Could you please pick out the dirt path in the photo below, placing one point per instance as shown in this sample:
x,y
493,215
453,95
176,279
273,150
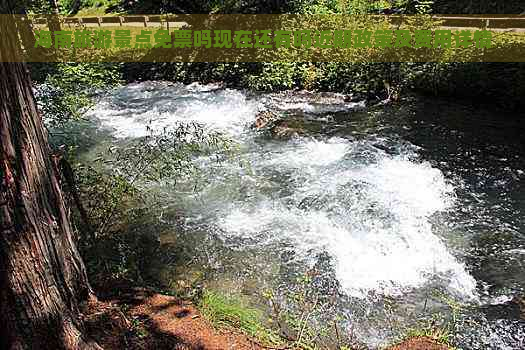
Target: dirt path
x,y
419,344
140,319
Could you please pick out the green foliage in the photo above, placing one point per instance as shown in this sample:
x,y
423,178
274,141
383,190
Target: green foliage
x,y
276,76
361,6
318,7
413,6
213,6
64,89
86,7
166,155
366,79
118,240
423,6
34,6
109,198
478,7
439,327
113,205
500,84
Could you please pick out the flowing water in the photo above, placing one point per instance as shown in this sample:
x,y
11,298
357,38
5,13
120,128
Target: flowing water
x,y
397,214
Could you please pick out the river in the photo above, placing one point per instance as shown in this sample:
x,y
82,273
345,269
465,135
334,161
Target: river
x,y
396,213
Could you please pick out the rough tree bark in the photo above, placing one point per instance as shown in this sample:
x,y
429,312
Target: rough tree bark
x,y
42,276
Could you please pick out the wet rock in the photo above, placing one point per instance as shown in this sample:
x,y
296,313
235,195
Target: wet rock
x,y
265,120
316,97
520,301
284,130
513,309
276,125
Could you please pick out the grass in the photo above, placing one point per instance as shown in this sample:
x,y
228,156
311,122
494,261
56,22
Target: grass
x,y
230,312
441,335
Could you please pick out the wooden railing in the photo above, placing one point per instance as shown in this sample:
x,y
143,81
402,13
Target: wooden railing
x,y
496,23
112,21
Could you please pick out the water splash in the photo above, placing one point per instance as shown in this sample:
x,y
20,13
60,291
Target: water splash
x,y
371,218
132,109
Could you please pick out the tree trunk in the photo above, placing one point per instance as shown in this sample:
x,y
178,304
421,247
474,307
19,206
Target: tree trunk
x,y
53,21
42,276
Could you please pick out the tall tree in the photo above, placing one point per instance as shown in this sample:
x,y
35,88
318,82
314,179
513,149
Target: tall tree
x,y
42,276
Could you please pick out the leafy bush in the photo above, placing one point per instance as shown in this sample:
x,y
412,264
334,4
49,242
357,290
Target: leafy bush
x,y
276,76
63,90
116,239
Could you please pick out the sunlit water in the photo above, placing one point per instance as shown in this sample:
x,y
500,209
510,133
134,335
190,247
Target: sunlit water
x,y
396,216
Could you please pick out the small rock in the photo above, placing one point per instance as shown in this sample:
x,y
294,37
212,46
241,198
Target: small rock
x,y
284,131
265,120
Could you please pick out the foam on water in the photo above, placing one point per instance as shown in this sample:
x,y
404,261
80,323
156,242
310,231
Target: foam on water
x,y
373,219
369,210
131,109
311,152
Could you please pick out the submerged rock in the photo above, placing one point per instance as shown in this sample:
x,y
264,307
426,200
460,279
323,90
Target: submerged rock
x,y
513,309
276,125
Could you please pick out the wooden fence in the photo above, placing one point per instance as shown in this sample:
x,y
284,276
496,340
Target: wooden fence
x,y
495,23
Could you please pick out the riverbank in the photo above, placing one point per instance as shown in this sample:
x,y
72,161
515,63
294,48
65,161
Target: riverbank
x,y
140,318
